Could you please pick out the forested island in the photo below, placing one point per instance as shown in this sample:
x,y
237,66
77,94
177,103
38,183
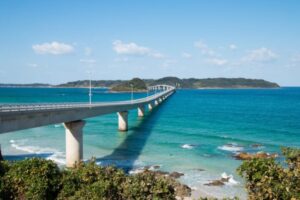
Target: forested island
x,y
141,84
138,84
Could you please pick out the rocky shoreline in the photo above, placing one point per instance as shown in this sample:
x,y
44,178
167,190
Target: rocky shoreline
x,y
182,191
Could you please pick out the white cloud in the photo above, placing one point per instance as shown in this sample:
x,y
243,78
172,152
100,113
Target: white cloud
x,y
260,55
88,61
156,55
88,51
129,48
33,65
54,48
186,55
232,47
133,49
205,50
217,61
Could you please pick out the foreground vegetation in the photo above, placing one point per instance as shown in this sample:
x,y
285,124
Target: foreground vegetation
x,y
268,179
42,179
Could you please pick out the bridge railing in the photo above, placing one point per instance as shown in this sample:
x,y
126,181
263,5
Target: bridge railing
x,y
14,107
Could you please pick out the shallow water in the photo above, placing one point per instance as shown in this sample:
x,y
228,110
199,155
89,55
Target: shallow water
x,y
195,131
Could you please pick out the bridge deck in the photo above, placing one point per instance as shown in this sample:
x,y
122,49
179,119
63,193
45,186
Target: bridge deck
x,y
22,116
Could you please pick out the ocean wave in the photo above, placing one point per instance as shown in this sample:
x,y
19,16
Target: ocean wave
x,y
197,180
230,178
126,165
188,146
54,154
57,125
137,170
231,147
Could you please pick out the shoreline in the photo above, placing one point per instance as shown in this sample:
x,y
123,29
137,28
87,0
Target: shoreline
x,y
198,191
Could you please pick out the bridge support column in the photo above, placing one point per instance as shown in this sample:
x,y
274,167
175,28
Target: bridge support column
x,y
123,120
156,102
74,143
150,106
141,111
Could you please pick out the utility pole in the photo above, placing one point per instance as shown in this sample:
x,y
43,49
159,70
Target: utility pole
x,y
90,89
131,92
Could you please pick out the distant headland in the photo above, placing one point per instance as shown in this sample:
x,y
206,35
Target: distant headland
x,y
138,84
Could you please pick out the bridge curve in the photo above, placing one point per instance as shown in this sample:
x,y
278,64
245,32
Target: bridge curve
x,y
161,87
23,116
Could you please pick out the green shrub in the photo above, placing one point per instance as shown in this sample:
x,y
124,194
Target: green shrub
x,y
92,180
268,179
32,179
41,179
4,167
148,186
104,190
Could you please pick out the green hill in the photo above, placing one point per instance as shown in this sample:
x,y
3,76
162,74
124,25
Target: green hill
x,y
95,83
232,83
139,84
215,83
136,84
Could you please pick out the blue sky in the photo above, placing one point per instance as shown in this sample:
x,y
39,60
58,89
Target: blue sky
x,y
58,41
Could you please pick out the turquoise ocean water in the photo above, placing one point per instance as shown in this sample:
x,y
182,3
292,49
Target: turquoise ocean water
x,y
195,131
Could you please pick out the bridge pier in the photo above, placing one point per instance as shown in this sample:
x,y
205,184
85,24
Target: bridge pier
x,y
141,111
150,106
74,142
123,120
156,102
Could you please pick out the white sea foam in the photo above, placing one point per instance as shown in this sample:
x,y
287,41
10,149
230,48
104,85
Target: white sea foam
x,y
153,168
121,163
231,147
137,171
187,146
55,155
197,179
231,181
57,125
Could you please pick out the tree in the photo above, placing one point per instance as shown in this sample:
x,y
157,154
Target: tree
x,y
268,179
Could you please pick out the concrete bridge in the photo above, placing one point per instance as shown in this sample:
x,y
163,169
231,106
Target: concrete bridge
x,y
16,117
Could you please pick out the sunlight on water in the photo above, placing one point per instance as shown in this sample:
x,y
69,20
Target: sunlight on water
x,y
198,138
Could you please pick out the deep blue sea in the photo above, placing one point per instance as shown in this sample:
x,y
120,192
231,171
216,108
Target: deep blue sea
x,y
196,132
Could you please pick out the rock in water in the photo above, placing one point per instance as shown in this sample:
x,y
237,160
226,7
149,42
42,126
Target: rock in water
x,y
215,183
248,156
256,145
176,174
220,182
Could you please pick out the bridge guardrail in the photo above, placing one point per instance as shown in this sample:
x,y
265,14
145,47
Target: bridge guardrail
x,y
15,107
